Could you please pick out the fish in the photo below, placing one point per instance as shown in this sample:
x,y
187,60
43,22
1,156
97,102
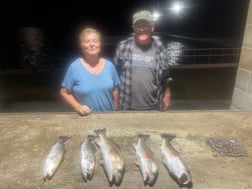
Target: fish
x,y
174,162
88,158
54,158
112,160
145,160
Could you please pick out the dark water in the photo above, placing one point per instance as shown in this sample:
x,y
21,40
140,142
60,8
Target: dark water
x,y
33,48
40,48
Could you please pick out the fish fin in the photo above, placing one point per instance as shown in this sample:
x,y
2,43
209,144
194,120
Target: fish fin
x,y
136,162
101,161
100,131
134,146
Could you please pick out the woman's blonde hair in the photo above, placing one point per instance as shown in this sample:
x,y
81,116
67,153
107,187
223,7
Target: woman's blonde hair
x,y
86,31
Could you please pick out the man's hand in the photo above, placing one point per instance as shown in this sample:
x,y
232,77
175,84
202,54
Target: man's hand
x,y
166,100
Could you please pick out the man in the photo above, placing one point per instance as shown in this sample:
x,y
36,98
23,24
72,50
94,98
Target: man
x,y
143,67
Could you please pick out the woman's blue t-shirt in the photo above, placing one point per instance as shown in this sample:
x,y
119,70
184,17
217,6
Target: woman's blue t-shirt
x,y
94,90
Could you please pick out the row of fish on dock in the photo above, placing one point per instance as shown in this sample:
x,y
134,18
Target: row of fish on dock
x,y
113,161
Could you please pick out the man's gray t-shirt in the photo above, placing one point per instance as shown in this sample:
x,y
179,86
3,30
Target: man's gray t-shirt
x,y
144,86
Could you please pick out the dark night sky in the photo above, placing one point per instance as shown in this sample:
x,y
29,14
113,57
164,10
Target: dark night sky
x,y
206,18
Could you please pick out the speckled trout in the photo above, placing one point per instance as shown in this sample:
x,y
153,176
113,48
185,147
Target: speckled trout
x,y
54,158
145,160
173,161
87,158
112,160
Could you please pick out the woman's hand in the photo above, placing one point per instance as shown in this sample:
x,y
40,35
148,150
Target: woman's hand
x,y
83,110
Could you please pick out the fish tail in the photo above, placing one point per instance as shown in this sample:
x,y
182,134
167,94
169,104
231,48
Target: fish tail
x,y
64,138
91,137
167,136
100,131
143,136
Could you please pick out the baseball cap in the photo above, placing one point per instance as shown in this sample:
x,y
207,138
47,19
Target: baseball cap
x,y
142,15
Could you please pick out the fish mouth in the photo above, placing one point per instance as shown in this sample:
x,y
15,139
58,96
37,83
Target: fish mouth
x,y
151,179
89,176
118,176
183,179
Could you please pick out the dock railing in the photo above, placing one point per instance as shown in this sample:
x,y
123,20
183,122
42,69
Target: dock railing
x,y
198,57
206,57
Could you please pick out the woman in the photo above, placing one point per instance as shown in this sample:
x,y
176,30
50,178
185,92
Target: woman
x,y
91,82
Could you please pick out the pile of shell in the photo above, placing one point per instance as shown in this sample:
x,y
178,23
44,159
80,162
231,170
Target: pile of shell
x,y
226,147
